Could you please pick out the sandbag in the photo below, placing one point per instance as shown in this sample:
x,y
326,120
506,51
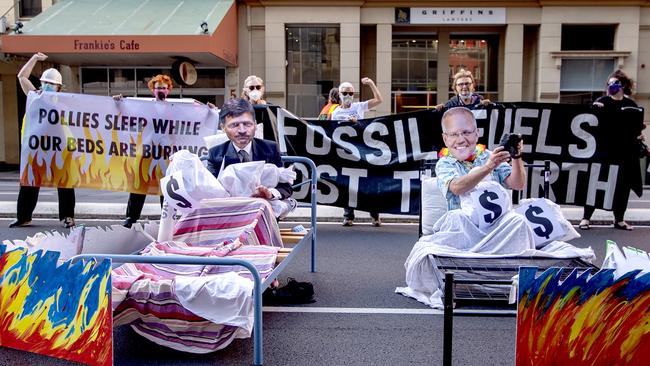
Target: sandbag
x,y
546,221
187,181
486,203
241,179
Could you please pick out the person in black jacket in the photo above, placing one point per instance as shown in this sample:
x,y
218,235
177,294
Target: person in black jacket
x,y
237,120
624,139
463,86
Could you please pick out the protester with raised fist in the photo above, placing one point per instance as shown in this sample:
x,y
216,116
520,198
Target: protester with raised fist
x,y
463,86
626,140
464,163
254,90
51,81
160,86
353,111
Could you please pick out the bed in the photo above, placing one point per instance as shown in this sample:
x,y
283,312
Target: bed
x,y
152,292
478,286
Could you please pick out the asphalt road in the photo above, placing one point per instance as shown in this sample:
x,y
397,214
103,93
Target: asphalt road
x,y
358,270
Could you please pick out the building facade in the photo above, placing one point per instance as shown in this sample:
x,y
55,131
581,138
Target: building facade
x,y
524,50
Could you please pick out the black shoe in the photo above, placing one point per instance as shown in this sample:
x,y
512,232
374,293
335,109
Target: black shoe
x,y
128,222
68,222
20,223
292,293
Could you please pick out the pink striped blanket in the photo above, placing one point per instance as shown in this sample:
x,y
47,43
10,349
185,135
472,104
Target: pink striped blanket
x,y
198,308
226,219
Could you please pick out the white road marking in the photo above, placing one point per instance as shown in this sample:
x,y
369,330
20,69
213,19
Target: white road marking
x,y
384,311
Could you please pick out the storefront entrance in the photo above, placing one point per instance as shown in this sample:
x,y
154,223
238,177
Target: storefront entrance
x,y
419,62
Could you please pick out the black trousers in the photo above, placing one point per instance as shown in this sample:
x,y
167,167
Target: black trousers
x,y
135,205
28,197
348,213
619,205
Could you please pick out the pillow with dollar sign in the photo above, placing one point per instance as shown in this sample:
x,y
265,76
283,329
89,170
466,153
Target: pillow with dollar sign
x,y
546,221
486,203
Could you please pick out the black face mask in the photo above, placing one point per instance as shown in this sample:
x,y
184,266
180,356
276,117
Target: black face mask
x,y
160,96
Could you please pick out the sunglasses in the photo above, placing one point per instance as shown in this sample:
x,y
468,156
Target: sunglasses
x,y
464,84
614,83
253,87
347,93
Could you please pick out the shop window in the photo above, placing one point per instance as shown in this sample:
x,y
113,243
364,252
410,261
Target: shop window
x,y
121,81
129,82
583,80
94,81
583,76
414,73
29,8
313,67
588,37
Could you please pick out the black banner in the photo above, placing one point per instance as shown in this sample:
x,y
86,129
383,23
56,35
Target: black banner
x,y
374,164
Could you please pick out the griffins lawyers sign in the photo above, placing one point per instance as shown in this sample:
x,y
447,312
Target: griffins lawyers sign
x,y
75,140
373,164
450,15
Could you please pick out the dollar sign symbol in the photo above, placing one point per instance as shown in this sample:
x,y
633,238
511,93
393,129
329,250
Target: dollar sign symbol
x,y
543,221
484,201
173,185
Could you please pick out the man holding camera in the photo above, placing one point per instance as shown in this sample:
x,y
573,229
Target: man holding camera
x,y
463,164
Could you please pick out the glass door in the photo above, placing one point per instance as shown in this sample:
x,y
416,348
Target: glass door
x,y
313,67
414,72
479,55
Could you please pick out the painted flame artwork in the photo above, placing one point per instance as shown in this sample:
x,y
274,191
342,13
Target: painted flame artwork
x,y
59,311
584,319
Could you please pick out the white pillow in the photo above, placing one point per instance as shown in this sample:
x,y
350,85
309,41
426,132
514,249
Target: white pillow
x,y
434,204
546,221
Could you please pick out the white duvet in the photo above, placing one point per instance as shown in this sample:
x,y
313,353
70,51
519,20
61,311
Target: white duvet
x,y
456,235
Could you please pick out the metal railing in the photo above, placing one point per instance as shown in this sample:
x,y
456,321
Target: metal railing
x,y
313,199
258,356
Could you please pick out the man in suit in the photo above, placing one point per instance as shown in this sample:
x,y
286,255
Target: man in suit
x,y
237,120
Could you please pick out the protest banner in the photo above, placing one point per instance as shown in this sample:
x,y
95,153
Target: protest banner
x,y
373,164
87,141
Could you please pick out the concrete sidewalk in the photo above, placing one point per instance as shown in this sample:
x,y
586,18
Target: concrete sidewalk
x,y
88,208
115,211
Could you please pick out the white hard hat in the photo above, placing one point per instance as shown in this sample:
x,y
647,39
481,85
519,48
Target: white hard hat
x,y
52,76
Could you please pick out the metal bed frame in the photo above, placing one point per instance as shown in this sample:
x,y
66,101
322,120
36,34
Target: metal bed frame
x,y
258,284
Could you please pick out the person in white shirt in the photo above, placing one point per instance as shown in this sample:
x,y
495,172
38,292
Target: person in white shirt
x,y
353,111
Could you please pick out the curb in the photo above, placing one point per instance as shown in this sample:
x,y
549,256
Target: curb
x,y
151,211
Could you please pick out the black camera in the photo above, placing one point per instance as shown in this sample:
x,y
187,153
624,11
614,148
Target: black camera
x,y
510,141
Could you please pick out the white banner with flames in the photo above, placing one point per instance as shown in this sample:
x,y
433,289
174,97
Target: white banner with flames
x,y
88,141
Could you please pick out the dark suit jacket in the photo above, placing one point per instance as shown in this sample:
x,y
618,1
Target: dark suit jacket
x,y
262,150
